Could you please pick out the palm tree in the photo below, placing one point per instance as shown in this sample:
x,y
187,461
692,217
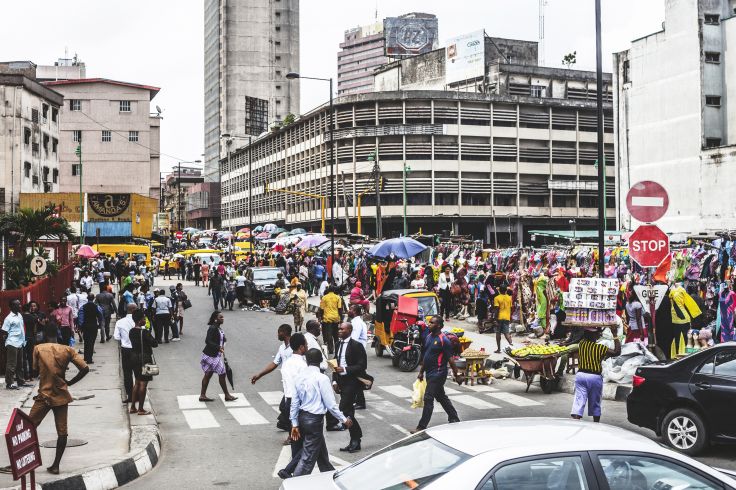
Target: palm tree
x,y
25,228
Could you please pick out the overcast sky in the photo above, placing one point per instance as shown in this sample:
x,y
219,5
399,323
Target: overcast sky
x,y
160,42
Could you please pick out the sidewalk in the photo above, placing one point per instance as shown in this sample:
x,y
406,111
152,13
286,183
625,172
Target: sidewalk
x,y
611,391
118,448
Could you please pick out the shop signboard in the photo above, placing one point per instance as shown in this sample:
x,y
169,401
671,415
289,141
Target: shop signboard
x,y
406,36
108,207
465,57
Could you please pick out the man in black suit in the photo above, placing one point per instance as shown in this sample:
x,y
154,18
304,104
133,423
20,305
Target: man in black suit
x,y
351,364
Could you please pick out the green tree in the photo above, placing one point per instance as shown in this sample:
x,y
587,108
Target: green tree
x,y
570,59
23,230
289,119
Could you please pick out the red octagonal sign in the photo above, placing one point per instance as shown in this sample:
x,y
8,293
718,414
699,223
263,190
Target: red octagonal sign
x,y
649,246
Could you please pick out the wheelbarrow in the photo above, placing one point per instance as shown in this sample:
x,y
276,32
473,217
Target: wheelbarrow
x,y
544,366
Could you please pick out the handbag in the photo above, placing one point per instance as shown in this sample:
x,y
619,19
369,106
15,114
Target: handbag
x,y
367,381
186,304
149,368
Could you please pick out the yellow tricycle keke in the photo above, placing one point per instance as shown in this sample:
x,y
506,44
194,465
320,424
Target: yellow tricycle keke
x,y
398,324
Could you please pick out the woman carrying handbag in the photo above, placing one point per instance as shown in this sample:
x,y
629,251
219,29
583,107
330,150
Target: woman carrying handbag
x,y
213,357
144,365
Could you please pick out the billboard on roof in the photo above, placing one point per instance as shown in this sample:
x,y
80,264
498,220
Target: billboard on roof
x,y
465,57
410,36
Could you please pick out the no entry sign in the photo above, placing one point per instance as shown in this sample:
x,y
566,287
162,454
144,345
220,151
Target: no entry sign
x,y
649,245
179,235
647,201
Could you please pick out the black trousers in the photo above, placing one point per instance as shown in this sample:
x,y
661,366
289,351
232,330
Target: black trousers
x,y
127,364
105,330
28,357
283,421
90,336
445,303
329,334
436,391
66,335
161,325
314,448
349,387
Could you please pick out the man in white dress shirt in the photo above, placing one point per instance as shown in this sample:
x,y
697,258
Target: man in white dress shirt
x,y
360,333
121,332
284,352
290,371
312,399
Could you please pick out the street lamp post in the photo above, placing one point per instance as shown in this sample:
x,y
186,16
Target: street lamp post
x,y
292,76
81,196
407,170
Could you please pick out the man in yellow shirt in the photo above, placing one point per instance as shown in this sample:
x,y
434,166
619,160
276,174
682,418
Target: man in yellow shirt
x,y
330,315
502,304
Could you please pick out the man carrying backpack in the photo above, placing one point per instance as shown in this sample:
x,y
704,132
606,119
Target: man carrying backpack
x,y
437,353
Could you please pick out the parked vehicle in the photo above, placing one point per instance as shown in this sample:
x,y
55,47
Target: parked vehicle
x,y
688,402
521,453
261,284
139,253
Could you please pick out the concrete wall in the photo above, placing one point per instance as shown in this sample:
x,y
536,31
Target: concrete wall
x,y
119,165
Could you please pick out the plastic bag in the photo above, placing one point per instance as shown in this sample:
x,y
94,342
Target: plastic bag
x,y
417,395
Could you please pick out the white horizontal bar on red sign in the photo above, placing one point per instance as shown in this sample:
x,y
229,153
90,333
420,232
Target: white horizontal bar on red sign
x,y
647,201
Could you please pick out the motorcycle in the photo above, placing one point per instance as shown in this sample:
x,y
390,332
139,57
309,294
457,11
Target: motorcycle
x,y
406,347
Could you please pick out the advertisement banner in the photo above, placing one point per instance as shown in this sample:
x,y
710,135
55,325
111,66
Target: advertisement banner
x,y
407,36
65,204
465,57
108,207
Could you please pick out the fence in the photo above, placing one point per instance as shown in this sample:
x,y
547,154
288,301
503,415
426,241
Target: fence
x,y
42,292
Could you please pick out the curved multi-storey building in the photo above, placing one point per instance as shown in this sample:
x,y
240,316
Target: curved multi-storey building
x,y
480,163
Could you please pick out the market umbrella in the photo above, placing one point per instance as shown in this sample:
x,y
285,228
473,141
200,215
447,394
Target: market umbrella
x,y
258,229
298,231
402,248
310,241
244,230
278,247
264,234
87,252
269,227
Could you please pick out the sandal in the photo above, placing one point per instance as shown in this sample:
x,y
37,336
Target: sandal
x,y
205,399
144,412
132,411
231,398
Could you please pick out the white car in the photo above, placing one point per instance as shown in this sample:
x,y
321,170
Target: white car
x,y
522,454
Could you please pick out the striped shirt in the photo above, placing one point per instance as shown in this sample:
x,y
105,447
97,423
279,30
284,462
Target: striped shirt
x,y
590,356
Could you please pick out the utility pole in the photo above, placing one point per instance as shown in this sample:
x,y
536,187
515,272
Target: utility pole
x,y
345,203
601,157
78,151
178,198
407,170
373,157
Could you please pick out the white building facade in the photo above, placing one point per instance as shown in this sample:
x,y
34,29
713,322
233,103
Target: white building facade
x,y
29,135
675,111
119,137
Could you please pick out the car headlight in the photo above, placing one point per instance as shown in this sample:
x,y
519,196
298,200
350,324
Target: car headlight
x,y
260,287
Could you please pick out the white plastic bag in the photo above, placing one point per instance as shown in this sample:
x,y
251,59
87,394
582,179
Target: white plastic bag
x,y
417,395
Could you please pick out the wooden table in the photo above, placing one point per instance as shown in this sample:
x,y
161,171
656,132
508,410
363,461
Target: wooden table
x,y
474,365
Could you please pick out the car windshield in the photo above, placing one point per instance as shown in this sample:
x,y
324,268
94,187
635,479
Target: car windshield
x,y
428,305
410,463
265,274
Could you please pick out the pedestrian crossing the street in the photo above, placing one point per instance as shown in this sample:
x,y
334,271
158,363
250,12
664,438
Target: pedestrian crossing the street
x,y
384,403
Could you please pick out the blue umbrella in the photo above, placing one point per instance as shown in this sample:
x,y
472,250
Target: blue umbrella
x,y
402,248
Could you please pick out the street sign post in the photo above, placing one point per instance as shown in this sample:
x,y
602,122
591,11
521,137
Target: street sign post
x,y
649,294
38,266
647,201
179,235
23,449
649,246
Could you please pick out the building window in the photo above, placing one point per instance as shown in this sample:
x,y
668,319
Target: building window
x,y
124,106
27,169
713,100
46,143
55,175
75,169
627,71
712,57
35,180
504,200
75,105
54,145
54,114
712,142
77,136
278,58
26,136
712,19
34,115
133,136
45,174
45,110
278,28
539,91
106,136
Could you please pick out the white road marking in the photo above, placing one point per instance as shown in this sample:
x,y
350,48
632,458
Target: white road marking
x,y
513,399
387,407
188,402
284,458
400,429
647,201
451,391
271,397
480,388
473,402
200,419
369,395
247,416
240,402
377,416
397,390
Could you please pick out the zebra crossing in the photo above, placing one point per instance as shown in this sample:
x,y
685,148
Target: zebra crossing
x,y
384,403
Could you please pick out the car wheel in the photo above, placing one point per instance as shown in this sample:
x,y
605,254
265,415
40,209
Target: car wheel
x,y
685,431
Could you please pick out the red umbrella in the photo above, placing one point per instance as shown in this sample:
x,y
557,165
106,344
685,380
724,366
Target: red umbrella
x,y
244,230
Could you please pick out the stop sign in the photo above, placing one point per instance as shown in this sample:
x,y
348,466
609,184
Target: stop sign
x,y
179,235
649,245
647,201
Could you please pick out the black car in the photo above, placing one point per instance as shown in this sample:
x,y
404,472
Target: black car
x,y
260,285
689,402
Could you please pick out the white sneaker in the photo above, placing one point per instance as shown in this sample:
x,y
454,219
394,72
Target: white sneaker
x,y
175,339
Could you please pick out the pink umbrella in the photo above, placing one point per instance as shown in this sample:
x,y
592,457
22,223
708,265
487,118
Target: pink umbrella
x,y
87,252
310,241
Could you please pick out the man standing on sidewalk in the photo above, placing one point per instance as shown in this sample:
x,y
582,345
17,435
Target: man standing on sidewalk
x,y
90,321
437,354
15,340
122,329
106,300
351,364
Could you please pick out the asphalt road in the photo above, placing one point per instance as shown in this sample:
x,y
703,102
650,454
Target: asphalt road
x,y
238,445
